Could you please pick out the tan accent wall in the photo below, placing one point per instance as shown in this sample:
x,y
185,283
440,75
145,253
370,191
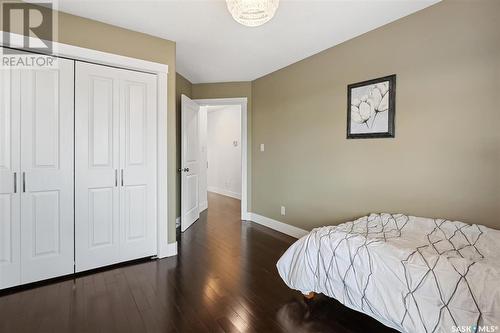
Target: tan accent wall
x,y
182,87
445,159
232,90
79,31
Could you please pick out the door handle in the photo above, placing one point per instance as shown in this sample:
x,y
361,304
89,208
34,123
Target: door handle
x,y
185,169
116,177
122,177
24,182
15,182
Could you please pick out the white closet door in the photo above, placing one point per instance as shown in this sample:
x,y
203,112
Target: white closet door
x,y
116,165
138,165
10,261
97,164
47,239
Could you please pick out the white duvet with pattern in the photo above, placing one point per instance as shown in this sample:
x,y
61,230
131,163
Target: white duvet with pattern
x,y
410,273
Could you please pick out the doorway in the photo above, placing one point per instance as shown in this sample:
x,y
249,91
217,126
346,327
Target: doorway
x,y
221,150
213,154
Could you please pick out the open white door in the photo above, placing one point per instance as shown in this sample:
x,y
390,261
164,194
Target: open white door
x,y
190,162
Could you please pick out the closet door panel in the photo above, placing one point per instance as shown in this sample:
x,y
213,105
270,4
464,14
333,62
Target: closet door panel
x,y
138,160
101,202
116,165
47,213
97,164
10,261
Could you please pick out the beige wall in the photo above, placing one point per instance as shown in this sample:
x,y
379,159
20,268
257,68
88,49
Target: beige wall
x,y
79,31
445,159
182,87
232,90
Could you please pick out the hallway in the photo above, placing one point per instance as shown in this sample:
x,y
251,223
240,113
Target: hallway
x,y
224,280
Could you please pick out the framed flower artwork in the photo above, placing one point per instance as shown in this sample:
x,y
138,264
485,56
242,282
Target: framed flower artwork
x,y
371,106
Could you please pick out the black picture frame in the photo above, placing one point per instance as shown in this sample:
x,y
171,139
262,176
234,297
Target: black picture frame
x,y
391,110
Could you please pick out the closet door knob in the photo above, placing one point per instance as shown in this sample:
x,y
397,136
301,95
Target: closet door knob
x,y
122,177
15,182
116,177
24,182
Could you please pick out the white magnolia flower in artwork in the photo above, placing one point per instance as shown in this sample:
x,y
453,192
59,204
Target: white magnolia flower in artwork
x,y
379,95
362,110
371,109
365,109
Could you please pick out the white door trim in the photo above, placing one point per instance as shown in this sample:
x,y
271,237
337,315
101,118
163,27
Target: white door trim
x,y
242,101
161,71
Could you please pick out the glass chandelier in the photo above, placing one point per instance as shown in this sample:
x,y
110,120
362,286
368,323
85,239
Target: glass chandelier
x,y
252,13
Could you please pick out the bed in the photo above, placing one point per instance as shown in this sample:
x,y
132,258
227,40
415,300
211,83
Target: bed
x,y
410,273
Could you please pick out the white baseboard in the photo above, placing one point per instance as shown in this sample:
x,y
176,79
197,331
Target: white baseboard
x,y
287,229
168,250
245,216
224,192
171,249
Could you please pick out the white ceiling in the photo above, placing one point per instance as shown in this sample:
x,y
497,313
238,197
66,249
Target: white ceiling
x,y
212,47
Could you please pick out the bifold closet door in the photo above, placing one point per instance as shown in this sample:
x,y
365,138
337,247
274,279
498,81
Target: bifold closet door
x,y
115,165
138,165
36,174
10,211
97,163
46,179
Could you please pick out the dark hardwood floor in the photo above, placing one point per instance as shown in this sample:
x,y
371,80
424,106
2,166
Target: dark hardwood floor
x,y
223,280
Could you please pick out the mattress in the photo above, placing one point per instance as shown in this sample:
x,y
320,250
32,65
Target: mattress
x,y
410,273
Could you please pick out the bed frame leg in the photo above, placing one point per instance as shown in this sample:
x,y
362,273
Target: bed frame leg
x,y
310,296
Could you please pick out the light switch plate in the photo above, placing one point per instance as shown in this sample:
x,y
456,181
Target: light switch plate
x,y
262,148
283,210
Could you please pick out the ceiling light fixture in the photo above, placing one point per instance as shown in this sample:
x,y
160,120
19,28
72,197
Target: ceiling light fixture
x,y
252,13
